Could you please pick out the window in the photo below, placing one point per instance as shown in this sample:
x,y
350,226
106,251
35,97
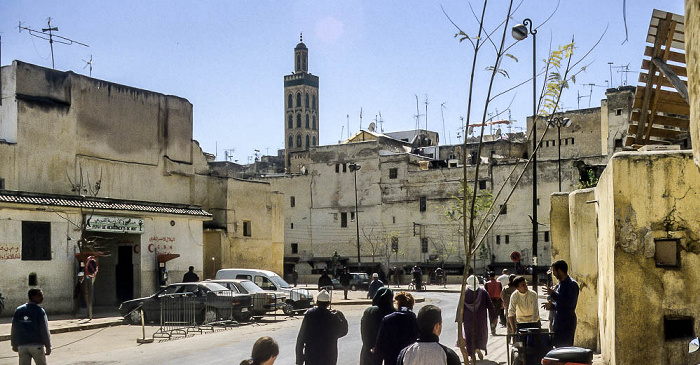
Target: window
x,y
352,216
343,219
290,142
393,173
546,236
308,141
546,143
313,122
345,167
291,226
504,209
554,142
423,204
482,184
36,241
666,253
298,120
307,121
507,239
2,184
566,141
299,140
292,201
393,220
290,122
618,143
572,140
424,245
678,327
298,100
289,101
498,239
295,248
395,244
313,141
618,111
306,102
298,62
313,102
246,229
337,168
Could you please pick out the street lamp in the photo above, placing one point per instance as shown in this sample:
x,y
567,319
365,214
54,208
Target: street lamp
x,y
521,32
559,122
354,167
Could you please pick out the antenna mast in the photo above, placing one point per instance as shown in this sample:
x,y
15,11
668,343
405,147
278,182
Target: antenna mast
x,y
381,122
426,112
442,115
418,114
51,37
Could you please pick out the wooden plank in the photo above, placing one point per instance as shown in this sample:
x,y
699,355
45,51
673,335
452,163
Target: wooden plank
x,y
667,97
655,25
678,70
664,120
677,36
664,81
675,44
672,77
660,14
658,132
672,56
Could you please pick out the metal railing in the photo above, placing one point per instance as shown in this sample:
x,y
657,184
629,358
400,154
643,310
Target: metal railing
x,y
177,315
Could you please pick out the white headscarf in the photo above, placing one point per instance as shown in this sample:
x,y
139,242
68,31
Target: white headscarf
x,y
472,283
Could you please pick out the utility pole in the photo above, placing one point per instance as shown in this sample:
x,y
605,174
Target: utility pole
x,y
49,37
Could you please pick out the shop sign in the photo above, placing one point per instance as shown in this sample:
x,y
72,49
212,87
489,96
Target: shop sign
x,y
97,223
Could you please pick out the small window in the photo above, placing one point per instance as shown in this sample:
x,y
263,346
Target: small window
x,y
352,216
618,111
247,229
507,239
343,219
678,327
295,248
298,120
424,245
546,143
345,167
291,225
546,236
504,209
308,141
313,141
538,201
298,100
572,140
554,142
32,279
498,239
393,173
313,102
289,101
482,184
290,122
307,121
666,253
618,143
290,142
423,204
313,122
393,220
36,241
337,167
306,101
292,201
566,141
299,141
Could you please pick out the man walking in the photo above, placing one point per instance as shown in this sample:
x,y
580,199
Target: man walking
x,y
564,298
30,330
190,276
397,330
317,342
428,350
345,282
374,286
494,288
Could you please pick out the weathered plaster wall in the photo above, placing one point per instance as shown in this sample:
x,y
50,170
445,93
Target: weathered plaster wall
x,y
560,225
654,195
605,209
692,59
583,266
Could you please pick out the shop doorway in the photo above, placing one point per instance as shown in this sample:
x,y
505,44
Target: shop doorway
x,y
124,273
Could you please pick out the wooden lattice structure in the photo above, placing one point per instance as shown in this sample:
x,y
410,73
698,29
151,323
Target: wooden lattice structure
x,y
660,113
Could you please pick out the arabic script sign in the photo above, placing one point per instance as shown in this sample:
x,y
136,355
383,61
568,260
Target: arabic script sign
x,y
97,223
9,252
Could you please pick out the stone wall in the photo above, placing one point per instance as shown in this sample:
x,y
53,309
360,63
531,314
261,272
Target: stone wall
x,y
692,59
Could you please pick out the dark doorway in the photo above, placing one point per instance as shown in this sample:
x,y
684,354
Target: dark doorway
x,y
125,274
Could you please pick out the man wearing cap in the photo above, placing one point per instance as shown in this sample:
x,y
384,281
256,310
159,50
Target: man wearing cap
x,y
79,294
374,286
317,342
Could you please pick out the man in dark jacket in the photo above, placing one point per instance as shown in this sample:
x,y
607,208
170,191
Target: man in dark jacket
x,y
345,278
317,342
382,305
30,330
190,276
427,350
324,281
374,285
563,301
398,330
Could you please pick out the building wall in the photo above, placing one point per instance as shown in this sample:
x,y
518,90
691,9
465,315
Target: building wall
x,y
692,59
585,129
561,227
644,197
583,265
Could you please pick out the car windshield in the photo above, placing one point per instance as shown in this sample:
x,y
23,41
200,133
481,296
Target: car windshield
x,y
279,282
214,286
250,287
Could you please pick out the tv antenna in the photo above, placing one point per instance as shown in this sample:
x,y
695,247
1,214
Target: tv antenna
x,y
342,128
623,71
47,35
426,112
442,115
88,63
228,154
418,114
381,122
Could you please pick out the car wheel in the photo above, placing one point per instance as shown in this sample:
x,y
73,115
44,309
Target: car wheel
x,y
353,287
210,315
134,317
288,309
242,316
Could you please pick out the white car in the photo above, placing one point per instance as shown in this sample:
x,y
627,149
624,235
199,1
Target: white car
x,y
263,300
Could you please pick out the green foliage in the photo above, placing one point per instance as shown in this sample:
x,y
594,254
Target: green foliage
x,y
501,71
557,65
453,209
592,180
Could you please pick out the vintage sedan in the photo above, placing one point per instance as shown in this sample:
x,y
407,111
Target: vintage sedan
x,y
202,302
263,300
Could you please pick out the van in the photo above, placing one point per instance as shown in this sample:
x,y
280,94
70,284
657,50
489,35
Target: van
x,y
298,300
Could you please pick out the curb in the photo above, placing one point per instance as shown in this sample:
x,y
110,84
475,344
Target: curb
x,y
367,301
79,327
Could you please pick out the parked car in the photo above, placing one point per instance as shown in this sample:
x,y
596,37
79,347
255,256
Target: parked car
x,y
263,300
211,301
359,280
298,300
336,284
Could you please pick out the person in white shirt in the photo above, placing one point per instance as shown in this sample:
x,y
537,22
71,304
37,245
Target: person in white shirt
x,y
523,311
504,279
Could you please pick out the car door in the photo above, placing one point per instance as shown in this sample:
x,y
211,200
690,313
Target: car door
x,y
153,307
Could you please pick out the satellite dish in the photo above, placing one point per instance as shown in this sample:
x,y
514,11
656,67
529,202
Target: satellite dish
x,y
371,127
498,133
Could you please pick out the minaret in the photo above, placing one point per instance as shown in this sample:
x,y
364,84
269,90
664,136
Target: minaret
x,y
301,122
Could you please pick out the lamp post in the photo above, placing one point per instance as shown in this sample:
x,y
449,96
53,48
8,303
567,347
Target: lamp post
x,y
559,122
354,167
521,32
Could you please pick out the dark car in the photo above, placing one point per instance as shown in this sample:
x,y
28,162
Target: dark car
x,y
204,302
360,280
263,300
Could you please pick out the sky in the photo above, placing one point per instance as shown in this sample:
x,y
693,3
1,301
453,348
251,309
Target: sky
x,y
228,58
